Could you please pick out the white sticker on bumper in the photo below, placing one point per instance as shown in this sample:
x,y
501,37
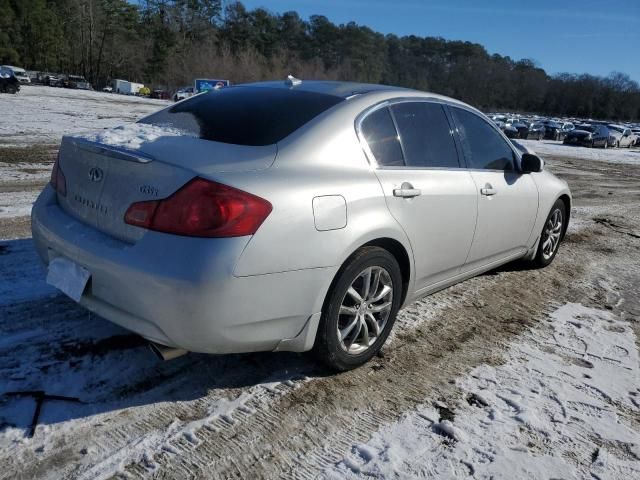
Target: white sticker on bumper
x,y
68,277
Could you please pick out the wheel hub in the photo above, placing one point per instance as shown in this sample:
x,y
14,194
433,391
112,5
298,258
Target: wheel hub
x,y
365,309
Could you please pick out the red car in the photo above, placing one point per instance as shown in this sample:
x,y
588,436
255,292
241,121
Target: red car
x,y
160,94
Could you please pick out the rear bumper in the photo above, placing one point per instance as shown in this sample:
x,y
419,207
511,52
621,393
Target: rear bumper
x,y
181,291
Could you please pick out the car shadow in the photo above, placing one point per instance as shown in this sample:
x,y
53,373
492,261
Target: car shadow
x,y
51,346
514,266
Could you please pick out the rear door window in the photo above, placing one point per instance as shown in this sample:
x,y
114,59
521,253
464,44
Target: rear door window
x,y
425,134
245,115
380,134
483,146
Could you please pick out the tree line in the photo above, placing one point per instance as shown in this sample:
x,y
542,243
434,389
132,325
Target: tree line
x,y
168,43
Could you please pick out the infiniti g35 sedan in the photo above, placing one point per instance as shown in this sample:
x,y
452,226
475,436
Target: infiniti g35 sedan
x,y
290,216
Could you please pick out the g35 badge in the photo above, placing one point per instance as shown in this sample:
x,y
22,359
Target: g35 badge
x,y
149,190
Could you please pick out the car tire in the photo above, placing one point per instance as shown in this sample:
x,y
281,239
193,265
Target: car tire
x,y
352,313
552,231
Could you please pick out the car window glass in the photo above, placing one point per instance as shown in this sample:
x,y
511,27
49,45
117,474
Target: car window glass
x,y
425,135
483,146
245,115
381,136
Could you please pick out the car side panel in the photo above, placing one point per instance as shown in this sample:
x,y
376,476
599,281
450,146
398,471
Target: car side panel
x,y
289,239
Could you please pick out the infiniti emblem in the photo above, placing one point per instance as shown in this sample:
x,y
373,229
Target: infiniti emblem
x,y
96,174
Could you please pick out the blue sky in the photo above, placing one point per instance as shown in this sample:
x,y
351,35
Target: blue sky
x,y
584,36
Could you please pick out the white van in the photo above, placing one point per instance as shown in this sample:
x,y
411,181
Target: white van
x,y
20,73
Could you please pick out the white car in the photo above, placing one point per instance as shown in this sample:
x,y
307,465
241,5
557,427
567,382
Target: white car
x,y
282,216
623,136
183,94
20,73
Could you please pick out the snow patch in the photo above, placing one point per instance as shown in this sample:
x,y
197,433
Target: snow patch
x,y
22,275
17,204
556,409
168,441
42,115
558,149
132,136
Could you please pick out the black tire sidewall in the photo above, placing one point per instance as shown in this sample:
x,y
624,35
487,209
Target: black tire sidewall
x,y
540,261
327,347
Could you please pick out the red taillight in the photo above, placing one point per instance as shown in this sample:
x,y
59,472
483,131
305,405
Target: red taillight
x,y
58,181
202,208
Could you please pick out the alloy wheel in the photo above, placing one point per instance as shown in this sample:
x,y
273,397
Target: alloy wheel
x,y
551,234
364,310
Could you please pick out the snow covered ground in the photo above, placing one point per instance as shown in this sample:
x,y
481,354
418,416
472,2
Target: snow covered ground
x,y
17,204
557,149
44,114
554,410
515,374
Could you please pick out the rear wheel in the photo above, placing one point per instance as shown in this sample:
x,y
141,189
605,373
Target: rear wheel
x,y
360,309
551,235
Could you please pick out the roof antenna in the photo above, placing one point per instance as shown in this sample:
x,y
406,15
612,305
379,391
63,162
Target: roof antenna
x,y
293,81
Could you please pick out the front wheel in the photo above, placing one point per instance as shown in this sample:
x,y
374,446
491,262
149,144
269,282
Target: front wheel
x,y
360,309
551,235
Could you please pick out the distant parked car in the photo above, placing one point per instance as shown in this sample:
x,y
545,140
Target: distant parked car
x,y
53,81
160,94
588,136
8,81
183,93
565,128
510,131
19,73
107,89
551,130
536,131
77,81
622,135
521,127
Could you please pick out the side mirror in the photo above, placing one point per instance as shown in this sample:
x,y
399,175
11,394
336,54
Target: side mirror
x,y
531,163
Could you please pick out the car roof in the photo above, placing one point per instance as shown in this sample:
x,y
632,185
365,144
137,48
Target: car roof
x,y
333,88
347,90
19,69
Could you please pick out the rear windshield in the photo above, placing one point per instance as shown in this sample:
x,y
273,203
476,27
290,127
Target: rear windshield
x,y
245,115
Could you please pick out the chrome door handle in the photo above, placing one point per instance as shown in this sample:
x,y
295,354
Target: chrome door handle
x,y
406,190
488,190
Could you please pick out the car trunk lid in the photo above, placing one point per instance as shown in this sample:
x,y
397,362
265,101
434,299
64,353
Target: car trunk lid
x,y
103,180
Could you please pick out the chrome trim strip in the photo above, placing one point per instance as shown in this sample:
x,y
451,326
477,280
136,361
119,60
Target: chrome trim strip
x,y
386,103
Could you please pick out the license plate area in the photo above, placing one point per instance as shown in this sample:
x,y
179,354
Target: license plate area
x,y
68,277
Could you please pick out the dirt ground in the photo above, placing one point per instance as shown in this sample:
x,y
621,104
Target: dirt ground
x,y
309,417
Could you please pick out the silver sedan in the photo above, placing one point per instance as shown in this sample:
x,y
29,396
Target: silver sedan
x,y
290,216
